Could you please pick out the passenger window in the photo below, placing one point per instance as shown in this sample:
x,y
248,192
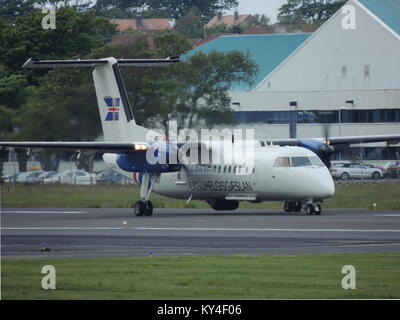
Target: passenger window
x,y
282,162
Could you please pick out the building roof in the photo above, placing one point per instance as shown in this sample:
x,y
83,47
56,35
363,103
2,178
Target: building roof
x,y
267,50
198,42
257,30
228,20
127,39
386,10
142,24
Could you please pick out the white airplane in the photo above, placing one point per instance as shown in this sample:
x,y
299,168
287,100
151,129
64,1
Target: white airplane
x,y
288,170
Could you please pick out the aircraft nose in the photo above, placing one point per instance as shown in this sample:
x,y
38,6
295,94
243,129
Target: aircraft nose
x,y
325,187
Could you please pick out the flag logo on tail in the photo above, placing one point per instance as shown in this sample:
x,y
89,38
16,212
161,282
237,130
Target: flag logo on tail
x,y
112,105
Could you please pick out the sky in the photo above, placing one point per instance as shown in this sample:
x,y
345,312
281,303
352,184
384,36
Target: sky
x,y
267,7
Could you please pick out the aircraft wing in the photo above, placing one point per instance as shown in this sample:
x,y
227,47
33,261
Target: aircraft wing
x,y
143,146
390,139
325,147
93,146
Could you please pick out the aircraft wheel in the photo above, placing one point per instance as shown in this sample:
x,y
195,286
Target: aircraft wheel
x,y
149,208
345,176
139,208
310,209
288,206
297,206
376,175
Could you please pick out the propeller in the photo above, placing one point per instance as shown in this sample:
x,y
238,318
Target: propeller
x,y
326,150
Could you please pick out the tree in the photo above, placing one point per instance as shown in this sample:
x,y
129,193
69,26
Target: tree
x,y
79,5
76,33
208,8
174,9
64,107
308,11
190,24
288,13
12,89
11,9
130,6
24,108
261,20
206,80
224,28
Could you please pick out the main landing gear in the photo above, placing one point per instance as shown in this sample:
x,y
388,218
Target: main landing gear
x,y
292,206
310,207
144,207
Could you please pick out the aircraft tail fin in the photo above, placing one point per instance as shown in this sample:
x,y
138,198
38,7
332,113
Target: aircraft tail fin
x,y
115,110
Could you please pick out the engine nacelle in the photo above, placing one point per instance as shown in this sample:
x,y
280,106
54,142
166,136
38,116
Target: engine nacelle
x,y
137,162
322,149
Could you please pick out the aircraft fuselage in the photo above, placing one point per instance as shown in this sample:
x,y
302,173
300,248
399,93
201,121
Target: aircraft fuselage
x,y
266,181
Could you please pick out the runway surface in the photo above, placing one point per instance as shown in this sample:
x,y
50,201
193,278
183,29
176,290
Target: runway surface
x,y
103,233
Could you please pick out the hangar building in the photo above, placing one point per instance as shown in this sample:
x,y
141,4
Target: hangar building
x,y
345,75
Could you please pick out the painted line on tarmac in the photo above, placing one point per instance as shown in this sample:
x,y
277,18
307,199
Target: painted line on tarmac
x,y
267,229
206,229
386,215
27,211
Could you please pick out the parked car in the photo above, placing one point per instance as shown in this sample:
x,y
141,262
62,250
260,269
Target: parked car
x,y
28,176
112,178
72,177
8,178
46,175
394,170
356,170
382,168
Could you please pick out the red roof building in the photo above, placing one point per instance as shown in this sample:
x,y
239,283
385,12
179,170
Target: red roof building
x,y
230,21
142,24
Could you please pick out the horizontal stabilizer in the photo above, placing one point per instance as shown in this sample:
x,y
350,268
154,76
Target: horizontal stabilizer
x,y
33,63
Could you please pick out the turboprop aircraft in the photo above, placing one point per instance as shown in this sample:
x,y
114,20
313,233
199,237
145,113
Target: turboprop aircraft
x,y
291,170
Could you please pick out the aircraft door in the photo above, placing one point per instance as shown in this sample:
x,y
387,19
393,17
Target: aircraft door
x,y
263,178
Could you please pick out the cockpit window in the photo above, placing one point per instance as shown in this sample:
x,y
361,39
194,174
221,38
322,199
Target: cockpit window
x,y
301,161
282,162
306,161
298,162
316,161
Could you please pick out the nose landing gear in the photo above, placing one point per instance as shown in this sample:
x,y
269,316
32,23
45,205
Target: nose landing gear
x,y
313,208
